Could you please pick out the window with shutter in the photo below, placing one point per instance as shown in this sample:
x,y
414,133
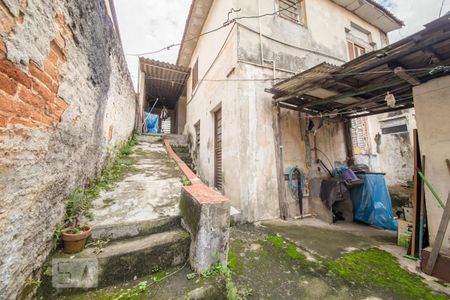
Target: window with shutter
x,y
291,10
195,75
355,50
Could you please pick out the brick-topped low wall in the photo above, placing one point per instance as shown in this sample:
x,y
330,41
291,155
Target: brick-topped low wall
x,y
206,215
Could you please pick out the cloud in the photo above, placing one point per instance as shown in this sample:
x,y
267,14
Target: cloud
x,y
415,14
148,25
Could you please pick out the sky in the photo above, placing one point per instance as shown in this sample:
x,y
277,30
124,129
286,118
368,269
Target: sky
x,y
148,25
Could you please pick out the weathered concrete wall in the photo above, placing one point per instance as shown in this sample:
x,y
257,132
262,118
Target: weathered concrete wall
x,y
395,155
432,113
65,98
240,72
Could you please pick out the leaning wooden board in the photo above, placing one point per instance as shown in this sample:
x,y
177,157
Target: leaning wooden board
x,y
439,238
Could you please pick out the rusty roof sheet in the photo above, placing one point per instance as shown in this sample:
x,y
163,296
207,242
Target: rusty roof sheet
x,y
164,80
396,68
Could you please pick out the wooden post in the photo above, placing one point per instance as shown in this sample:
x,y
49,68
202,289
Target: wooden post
x,y
416,193
279,162
439,238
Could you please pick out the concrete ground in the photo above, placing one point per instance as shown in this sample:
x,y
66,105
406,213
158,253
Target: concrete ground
x,y
309,259
151,189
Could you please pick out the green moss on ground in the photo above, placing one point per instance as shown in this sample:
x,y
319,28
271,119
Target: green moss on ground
x,y
375,268
232,260
288,248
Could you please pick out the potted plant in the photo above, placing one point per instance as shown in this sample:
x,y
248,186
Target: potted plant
x,y
74,238
74,234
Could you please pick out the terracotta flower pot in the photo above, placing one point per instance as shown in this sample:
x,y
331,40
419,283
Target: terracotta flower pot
x,y
75,242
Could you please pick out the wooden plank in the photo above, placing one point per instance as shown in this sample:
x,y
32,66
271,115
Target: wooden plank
x,y
421,210
401,73
439,238
415,191
447,161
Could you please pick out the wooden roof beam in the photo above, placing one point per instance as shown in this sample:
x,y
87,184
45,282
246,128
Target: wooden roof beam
x,y
403,74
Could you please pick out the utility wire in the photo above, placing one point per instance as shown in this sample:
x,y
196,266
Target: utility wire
x,y
225,24
308,76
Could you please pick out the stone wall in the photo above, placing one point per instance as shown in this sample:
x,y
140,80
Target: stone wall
x,y
65,98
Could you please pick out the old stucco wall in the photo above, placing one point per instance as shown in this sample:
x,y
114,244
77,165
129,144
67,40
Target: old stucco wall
x,y
249,160
395,155
432,111
65,98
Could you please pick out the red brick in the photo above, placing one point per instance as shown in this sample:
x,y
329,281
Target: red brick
x,y
51,70
110,133
53,57
9,69
8,85
28,97
41,118
3,121
22,122
58,51
43,77
8,22
43,91
54,110
2,46
60,41
13,105
60,19
61,103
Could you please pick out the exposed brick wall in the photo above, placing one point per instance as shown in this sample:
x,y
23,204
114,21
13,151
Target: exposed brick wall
x,y
360,136
66,97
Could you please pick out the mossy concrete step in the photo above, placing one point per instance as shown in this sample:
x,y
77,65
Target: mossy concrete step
x,y
134,229
122,261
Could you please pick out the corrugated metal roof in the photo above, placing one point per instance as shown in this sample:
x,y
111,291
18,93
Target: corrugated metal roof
x,y
359,87
164,80
302,81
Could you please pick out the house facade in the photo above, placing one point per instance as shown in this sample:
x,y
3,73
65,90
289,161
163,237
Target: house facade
x,y
231,122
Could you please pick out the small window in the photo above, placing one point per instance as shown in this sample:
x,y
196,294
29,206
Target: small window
x,y
195,75
355,50
197,139
394,129
291,10
394,125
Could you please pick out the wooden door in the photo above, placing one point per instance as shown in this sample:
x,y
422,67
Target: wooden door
x,y
218,150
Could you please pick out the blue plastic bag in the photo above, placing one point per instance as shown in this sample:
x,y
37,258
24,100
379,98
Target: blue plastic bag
x,y
372,202
151,122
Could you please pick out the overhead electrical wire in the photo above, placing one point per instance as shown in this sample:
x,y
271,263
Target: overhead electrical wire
x,y
225,24
306,76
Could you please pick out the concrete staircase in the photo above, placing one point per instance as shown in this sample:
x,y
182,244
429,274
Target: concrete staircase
x,y
137,225
147,248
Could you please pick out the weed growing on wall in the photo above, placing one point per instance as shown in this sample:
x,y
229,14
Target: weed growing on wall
x,y
80,201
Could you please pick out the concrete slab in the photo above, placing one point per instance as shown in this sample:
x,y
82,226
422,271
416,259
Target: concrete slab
x,y
123,261
150,191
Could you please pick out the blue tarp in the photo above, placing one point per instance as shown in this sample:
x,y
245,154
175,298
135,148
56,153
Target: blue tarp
x,y
151,122
372,202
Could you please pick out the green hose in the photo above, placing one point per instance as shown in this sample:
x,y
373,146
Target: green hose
x,y
441,203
